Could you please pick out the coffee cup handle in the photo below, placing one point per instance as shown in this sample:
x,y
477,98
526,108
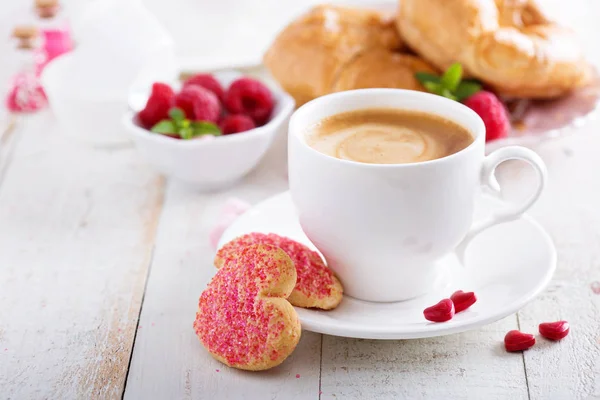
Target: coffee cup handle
x,y
488,179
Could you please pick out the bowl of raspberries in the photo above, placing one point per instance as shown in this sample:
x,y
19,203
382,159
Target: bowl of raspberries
x,y
211,131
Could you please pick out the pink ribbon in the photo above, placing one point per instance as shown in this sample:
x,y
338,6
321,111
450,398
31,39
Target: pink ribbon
x,y
26,94
56,42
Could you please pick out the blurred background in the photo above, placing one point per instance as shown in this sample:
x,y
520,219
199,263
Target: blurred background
x,y
115,38
209,33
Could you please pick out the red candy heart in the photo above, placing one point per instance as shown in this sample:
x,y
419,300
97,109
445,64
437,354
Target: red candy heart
x,y
462,300
517,341
441,312
554,330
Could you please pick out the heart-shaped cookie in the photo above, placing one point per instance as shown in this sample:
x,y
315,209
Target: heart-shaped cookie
x,y
316,286
243,318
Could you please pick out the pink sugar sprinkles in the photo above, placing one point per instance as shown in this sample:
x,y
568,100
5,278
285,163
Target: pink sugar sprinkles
x,y
314,278
236,324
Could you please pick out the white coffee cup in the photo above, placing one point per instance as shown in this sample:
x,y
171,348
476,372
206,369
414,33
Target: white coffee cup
x,y
383,228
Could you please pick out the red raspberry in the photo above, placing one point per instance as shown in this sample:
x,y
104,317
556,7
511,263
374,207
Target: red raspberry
x,y
206,106
250,97
157,106
185,100
208,82
492,112
235,123
198,104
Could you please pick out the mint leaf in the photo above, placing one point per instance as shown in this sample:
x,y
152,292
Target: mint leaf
x,y
452,77
177,114
186,132
466,89
205,128
449,84
433,87
427,77
448,94
164,126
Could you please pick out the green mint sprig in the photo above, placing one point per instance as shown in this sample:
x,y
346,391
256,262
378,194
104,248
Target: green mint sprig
x,y
186,129
450,84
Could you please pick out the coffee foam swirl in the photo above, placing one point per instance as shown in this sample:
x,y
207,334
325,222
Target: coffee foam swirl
x,y
386,144
387,136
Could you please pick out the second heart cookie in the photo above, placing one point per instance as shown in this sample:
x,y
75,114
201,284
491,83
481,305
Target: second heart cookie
x,y
316,286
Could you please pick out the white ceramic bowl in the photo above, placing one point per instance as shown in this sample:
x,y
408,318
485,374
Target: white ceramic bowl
x,y
85,111
212,163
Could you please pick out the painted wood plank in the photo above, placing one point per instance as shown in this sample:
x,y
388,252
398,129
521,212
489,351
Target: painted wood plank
x,y
10,130
462,366
77,228
168,360
569,210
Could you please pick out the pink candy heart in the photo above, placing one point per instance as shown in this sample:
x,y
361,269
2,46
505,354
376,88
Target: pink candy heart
x,y
232,209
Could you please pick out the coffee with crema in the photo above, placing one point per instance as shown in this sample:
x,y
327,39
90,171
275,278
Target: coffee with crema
x,y
387,136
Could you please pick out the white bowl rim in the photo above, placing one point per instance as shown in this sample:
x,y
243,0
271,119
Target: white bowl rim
x,y
287,107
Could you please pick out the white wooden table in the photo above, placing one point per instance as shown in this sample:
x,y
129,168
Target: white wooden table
x,y
102,262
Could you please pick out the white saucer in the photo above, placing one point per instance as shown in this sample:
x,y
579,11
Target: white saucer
x,y
506,267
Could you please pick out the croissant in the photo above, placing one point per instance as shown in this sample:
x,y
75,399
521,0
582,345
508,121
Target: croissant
x,y
509,44
335,48
380,68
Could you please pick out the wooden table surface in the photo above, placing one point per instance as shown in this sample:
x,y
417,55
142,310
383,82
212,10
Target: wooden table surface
x,y
102,262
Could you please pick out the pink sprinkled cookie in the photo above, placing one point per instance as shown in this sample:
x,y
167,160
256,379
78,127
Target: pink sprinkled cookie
x,y
243,318
316,287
